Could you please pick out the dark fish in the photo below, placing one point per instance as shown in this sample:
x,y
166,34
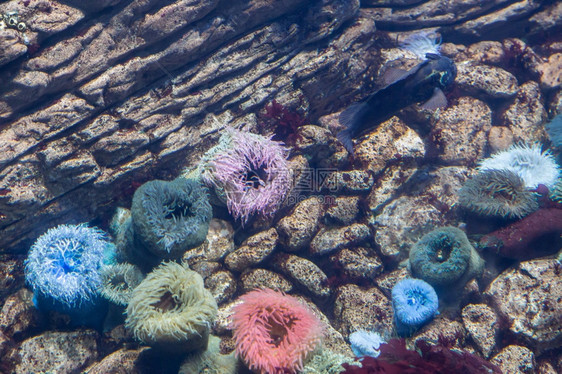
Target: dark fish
x,y
423,83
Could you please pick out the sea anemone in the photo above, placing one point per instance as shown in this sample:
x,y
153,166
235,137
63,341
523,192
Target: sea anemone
x,y
118,282
210,361
171,217
422,43
171,310
528,161
444,258
365,343
248,172
497,193
62,269
328,362
415,303
274,333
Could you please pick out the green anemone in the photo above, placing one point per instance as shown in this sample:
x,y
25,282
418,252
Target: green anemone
x,y
445,258
171,310
119,281
210,361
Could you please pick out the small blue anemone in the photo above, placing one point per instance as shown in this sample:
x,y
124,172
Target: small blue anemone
x,y
62,269
365,343
415,303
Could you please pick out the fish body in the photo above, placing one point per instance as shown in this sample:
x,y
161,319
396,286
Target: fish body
x,y
423,83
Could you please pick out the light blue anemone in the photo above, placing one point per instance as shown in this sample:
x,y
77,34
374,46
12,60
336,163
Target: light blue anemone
x,y
415,303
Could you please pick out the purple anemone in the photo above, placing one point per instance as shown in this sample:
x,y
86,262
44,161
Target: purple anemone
x,y
248,172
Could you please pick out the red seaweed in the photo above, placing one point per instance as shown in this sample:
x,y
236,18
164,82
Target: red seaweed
x,y
518,240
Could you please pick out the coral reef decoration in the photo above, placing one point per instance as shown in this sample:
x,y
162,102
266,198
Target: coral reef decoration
x,y
63,271
365,343
248,172
118,282
171,310
500,193
444,258
171,217
415,303
428,358
528,161
274,332
536,235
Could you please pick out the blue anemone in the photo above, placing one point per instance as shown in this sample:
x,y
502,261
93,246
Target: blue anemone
x,y
415,303
365,343
62,269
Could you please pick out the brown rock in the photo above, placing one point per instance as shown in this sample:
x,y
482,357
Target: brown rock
x,y
218,244
222,285
460,134
482,324
253,251
60,352
529,298
297,229
18,315
515,359
262,278
122,361
358,263
329,240
304,273
526,116
344,211
359,309
485,81
500,138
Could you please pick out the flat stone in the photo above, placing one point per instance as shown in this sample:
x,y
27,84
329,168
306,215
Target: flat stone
x,y
358,263
329,240
263,278
344,210
362,309
482,324
515,359
529,298
60,352
304,273
253,251
485,81
122,361
460,134
526,115
222,285
297,229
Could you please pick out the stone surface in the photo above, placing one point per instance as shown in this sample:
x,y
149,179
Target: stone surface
x,y
460,134
222,285
344,211
390,142
297,229
482,324
515,359
423,205
122,361
329,240
362,309
253,251
18,315
358,263
262,278
11,275
526,115
218,243
303,272
499,138
59,352
144,71
529,297
453,331
485,81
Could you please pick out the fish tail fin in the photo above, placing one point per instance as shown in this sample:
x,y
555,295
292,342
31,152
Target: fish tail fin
x,y
350,118
344,137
